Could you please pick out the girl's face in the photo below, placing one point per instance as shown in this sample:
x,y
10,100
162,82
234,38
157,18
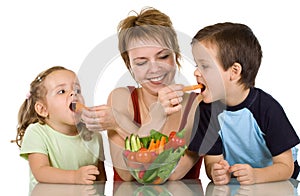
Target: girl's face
x,y
152,66
209,72
62,89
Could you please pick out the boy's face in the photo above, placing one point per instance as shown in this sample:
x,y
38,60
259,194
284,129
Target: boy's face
x,y
209,72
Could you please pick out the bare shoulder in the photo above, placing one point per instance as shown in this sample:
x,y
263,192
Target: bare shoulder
x,y
118,95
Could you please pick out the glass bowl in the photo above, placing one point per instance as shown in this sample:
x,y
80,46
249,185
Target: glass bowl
x,y
149,168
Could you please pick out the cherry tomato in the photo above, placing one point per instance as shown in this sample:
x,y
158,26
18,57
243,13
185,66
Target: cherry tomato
x,y
143,156
126,152
172,134
141,174
179,142
131,160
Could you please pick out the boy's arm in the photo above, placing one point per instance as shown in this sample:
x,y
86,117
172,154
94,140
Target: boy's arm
x,y
209,160
282,169
43,172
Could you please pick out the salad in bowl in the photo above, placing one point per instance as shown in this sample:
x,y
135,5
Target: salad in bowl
x,y
152,159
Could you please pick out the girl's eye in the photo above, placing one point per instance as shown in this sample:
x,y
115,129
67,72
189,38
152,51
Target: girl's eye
x,y
61,92
78,91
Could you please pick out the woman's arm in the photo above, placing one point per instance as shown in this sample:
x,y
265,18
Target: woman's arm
x,y
184,165
116,144
118,114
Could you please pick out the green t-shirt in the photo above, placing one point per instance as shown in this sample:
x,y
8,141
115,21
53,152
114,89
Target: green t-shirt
x,y
64,151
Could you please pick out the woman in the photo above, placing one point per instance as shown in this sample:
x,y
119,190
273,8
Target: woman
x,y
149,47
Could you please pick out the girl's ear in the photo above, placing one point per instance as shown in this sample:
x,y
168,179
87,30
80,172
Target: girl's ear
x,y
41,109
235,71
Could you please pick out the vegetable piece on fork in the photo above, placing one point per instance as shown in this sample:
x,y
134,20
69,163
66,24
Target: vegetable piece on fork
x,y
77,106
192,87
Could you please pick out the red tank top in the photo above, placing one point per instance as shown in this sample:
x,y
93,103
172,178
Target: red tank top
x,y
194,172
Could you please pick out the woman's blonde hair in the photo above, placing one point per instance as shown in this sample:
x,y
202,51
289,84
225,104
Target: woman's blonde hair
x,y
149,25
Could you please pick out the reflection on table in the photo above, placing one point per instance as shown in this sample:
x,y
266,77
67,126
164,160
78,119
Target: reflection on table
x,y
174,188
45,189
282,188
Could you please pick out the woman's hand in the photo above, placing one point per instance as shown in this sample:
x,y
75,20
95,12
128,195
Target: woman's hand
x,y
99,118
170,97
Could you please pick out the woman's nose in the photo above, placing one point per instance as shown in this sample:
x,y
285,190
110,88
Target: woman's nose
x,y
154,66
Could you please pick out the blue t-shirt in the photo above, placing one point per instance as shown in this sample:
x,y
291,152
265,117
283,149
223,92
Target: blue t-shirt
x,y
251,132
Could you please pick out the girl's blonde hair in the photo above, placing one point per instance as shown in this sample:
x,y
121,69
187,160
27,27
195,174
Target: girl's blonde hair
x,y
149,25
27,114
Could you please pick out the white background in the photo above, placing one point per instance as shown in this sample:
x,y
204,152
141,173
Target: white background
x,y
38,34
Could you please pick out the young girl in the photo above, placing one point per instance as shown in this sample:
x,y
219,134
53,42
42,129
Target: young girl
x,y
48,136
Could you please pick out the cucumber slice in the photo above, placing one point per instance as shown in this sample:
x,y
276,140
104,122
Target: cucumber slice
x,y
133,144
127,144
138,142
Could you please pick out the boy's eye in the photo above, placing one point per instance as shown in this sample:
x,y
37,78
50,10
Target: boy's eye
x,y
202,66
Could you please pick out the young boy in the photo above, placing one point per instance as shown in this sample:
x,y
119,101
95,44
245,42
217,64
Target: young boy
x,y
242,130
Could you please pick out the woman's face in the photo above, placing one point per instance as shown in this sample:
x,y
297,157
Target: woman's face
x,y
152,66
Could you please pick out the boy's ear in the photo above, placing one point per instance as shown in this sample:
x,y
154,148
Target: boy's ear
x,y
235,71
41,109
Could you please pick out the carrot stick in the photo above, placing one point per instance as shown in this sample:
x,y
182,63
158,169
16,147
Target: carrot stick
x,y
193,87
161,144
151,145
157,146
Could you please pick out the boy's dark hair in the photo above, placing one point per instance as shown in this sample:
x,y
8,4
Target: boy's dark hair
x,y
236,43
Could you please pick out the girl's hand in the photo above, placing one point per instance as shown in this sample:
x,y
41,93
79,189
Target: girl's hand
x,y
99,118
86,174
244,173
170,98
220,173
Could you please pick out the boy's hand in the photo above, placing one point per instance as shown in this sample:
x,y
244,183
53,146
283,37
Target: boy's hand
x,y
220,173
86,174
244,173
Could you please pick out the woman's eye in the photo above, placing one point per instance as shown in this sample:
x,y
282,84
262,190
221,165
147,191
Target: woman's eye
x,y
140,63
164,56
